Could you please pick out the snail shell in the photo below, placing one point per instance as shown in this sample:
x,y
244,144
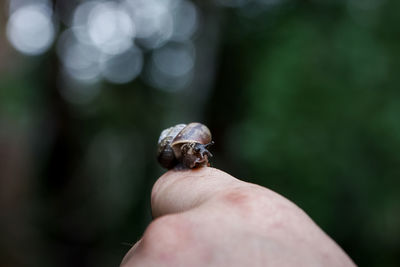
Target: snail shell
x,y
186,144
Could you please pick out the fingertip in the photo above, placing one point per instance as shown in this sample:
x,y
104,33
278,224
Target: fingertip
x,y
179,190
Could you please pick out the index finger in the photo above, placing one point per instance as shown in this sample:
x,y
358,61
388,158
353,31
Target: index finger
x,y
181,190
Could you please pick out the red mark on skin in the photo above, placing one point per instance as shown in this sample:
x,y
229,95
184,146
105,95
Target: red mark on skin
x,y
241,200
236,197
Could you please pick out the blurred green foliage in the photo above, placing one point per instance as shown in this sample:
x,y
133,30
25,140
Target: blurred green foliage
x,y
305,101
317,121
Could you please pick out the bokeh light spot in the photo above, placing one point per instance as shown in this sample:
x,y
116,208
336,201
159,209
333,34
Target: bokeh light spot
x,y
171,66
185,21
30,29
80,21
80,60
124,67
153,21
174,59
110,28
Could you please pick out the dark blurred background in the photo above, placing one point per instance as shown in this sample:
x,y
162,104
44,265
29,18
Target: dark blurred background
x,y
301,96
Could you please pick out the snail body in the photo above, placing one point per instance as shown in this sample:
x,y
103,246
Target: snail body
x,y
185,144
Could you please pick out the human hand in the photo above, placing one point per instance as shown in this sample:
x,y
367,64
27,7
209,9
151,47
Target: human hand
x,y
205,217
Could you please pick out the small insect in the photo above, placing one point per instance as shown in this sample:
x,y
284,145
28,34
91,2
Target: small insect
x,y
186,145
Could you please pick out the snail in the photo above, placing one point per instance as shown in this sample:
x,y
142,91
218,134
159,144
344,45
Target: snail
x,y
186,145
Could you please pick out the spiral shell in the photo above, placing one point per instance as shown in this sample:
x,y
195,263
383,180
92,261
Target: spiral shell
x,y
185,144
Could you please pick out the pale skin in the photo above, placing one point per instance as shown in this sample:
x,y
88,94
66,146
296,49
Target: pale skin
x,y
205,217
